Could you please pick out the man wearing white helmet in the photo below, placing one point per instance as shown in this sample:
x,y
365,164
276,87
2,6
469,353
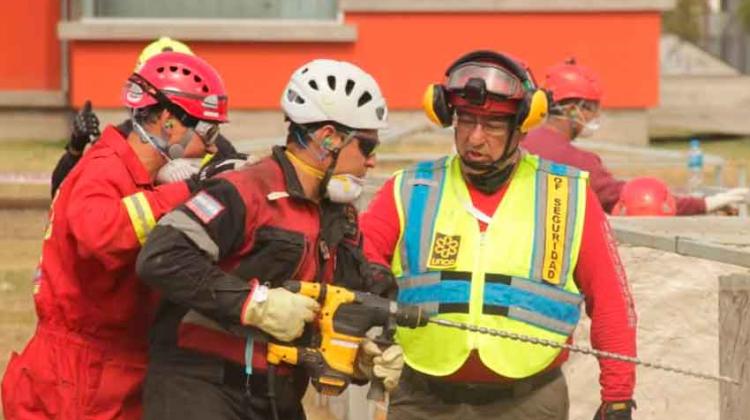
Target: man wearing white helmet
x,y
220,259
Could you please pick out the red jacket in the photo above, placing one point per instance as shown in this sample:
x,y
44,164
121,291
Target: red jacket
x,y
255,223
86,282
599,275
553,145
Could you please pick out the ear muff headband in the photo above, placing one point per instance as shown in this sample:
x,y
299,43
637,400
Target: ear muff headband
x,y
531,111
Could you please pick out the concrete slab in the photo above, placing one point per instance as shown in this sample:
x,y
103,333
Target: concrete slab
x,y
716,238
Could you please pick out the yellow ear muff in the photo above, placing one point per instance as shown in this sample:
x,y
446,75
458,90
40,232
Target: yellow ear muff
x,y
428,99
538,107
436,106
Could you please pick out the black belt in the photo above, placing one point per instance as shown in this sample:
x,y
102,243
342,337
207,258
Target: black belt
x,y
482,393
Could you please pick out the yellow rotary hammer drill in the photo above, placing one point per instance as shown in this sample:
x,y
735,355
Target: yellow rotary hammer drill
x,y
344,319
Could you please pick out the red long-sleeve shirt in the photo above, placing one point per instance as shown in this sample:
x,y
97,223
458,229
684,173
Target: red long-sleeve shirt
x,y
599,275
553,145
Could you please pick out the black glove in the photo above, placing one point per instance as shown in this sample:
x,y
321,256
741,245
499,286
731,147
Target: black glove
x,y
219,164
85,129
615,410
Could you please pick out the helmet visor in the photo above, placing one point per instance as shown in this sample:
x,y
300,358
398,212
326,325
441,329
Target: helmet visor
x,y
497,80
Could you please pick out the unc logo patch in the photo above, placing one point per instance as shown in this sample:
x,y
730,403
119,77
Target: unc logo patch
x,y
444,251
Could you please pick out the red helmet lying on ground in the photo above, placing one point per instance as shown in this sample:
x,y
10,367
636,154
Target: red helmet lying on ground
x,y
645,196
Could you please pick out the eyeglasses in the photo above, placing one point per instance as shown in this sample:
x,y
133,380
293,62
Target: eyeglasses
x,y
207,131
492,126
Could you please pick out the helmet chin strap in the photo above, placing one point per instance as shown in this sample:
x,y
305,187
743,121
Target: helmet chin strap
x,y
334,153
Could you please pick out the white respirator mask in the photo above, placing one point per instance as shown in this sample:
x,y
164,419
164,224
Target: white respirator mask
x,y
344,188
590,127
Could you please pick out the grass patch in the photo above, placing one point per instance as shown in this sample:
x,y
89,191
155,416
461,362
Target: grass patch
x,y
30,156
21,234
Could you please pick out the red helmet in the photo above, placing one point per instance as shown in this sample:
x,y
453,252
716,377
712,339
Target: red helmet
x,y
179,79
645,196
570,80
503,78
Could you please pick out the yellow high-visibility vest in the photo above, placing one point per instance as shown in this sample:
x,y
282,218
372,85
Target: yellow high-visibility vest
x,y
517,276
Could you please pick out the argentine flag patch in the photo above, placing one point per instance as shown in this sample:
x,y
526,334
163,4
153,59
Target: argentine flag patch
x,y
205,206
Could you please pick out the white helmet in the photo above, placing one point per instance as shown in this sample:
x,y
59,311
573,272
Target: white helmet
x,y
329,90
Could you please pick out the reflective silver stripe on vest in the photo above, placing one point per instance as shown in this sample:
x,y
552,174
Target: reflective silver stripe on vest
x,y
542,289
540,320
409,181
540,212
423,279
570,231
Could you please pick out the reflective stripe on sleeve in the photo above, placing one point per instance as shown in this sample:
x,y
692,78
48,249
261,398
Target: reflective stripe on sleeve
x,y
141,216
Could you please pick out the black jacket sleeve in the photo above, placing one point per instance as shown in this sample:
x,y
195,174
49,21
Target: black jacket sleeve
x,y
179,256
63,168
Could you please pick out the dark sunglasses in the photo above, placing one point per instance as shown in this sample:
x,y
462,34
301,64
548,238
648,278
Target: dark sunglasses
x,y
367,145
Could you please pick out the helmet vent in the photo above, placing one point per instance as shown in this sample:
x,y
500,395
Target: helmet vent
x,y
331,82
365,98
349,87
313,84
305,70
205,89
160,70
197,78
186,72
380,113
173,69
292,96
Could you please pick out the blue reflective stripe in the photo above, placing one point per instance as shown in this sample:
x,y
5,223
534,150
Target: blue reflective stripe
x,y
447,291
436,210
504,295
415,214
558,169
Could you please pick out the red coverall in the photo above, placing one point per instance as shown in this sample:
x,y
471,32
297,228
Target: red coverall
x,y
87,358
555,146
599,275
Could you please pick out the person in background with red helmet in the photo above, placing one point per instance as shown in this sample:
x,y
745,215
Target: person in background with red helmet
x,y
87,357
645,196
576,98
497,238
86,131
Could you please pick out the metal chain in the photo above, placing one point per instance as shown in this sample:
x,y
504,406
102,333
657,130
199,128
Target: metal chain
x,y
580,349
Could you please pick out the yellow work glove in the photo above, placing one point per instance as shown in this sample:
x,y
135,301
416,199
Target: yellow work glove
x,y
278,312
372,362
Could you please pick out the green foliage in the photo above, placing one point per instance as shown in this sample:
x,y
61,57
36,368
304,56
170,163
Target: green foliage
x,y
686,19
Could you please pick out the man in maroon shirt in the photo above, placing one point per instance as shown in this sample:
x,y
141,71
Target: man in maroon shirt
x,y
480,197
576,95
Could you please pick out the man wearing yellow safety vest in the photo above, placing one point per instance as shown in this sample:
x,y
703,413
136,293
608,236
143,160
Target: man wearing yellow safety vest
x,y
86,131
497,238
87,358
